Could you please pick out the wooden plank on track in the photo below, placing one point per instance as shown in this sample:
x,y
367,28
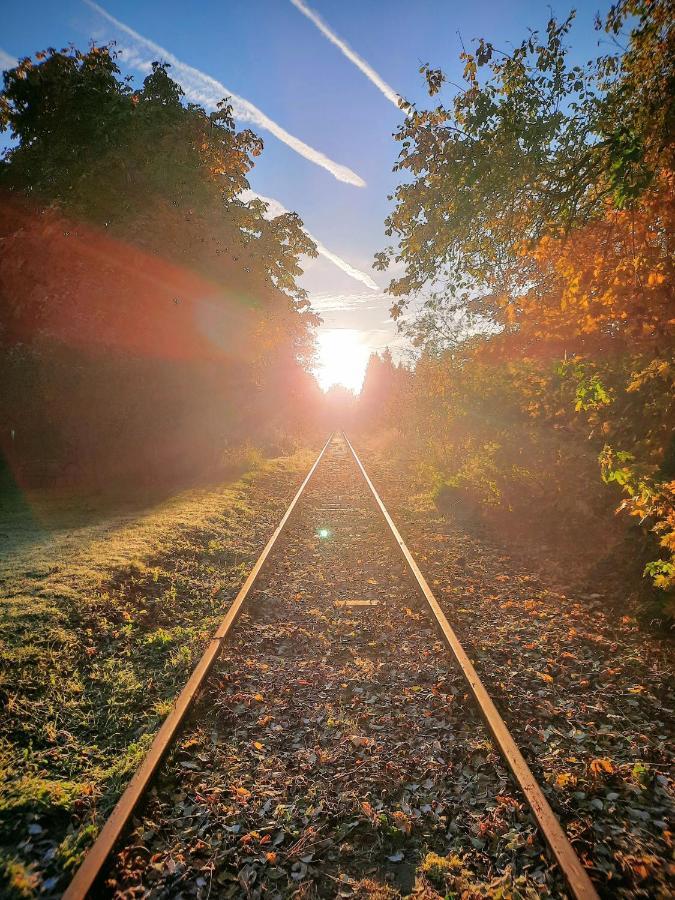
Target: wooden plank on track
x,y
579,883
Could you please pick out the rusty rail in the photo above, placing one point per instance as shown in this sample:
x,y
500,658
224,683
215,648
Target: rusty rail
x,y
94,863
575,874
95,860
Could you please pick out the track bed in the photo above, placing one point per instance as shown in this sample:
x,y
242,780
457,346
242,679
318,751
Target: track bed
x,y
335,750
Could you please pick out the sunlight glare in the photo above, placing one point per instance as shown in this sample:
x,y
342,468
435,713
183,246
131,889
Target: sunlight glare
x,y
343,358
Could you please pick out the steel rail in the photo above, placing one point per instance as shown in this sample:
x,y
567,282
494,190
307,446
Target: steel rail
x,y
575,874
92,866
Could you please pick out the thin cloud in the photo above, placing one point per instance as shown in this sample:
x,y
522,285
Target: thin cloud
x,y
277,209
379,339
7,61
202,88
351,55
136,60
364,301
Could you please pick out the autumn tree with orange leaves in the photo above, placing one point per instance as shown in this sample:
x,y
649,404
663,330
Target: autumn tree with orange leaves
x,y
536,231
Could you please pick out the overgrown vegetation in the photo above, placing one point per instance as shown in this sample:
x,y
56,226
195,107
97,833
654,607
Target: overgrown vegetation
x,y
536,234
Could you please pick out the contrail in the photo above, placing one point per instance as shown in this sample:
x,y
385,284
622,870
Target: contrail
x,y
7,61
360,63
345,266
277,209
202,88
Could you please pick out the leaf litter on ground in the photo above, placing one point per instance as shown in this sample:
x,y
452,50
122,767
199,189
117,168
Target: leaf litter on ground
x,y
335,752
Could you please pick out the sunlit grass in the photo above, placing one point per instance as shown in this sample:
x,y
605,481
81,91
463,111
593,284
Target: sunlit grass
x,y
101,626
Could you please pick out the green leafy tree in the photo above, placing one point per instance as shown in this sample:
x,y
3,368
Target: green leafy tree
x,y
99,173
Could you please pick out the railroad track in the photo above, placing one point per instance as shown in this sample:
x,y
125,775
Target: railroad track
x,y
326,527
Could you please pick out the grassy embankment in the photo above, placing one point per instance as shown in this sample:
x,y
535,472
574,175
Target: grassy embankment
x,y
101,625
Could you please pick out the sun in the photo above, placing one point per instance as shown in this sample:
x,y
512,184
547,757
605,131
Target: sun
x,y
343,358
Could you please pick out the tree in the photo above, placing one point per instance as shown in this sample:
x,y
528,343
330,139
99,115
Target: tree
x,y
535,147
536,232
147,270
383,389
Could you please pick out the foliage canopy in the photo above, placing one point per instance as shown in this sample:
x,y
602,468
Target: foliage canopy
x,y
127,203
536,234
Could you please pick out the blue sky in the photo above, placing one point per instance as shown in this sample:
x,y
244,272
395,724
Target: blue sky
x,y
271,55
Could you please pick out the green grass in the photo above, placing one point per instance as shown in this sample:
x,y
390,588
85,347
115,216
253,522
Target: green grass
x,y
101,625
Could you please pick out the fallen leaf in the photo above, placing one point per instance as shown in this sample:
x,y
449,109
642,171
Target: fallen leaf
x,y
602,765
